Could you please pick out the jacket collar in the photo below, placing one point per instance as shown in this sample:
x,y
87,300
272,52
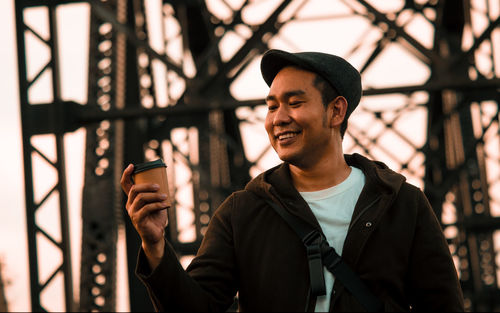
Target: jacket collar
x,y
282,188
276,184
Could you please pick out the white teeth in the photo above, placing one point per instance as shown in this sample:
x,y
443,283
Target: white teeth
x,y
287,135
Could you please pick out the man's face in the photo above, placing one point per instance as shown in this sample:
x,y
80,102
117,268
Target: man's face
x,y
297,122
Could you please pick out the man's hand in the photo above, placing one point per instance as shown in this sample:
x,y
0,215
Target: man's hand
x,y
147,211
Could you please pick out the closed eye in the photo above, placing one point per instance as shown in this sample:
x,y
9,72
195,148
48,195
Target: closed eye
x,y
272,107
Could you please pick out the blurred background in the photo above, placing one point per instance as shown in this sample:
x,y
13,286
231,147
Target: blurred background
x,y
91,86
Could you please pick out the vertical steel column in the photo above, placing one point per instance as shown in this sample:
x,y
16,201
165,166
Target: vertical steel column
x,y
54,125
27,152
135,139
100,219
113,84
60,163
456,163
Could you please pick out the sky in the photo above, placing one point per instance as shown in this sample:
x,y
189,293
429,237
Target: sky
x,y
13,245
13,251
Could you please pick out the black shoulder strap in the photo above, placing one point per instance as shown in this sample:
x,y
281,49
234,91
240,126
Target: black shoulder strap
x,y
318,251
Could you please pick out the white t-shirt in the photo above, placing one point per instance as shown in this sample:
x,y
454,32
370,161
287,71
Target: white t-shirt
x,y
333,208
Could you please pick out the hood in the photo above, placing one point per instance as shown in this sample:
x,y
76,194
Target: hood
x,y
376,172
277,180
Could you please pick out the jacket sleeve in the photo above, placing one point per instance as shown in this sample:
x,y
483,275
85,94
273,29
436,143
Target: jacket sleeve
x,y
209,282
433,276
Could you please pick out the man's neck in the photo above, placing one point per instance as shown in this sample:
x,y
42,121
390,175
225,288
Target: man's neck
x,y
323,175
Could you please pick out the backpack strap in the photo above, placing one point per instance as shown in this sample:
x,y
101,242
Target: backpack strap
x,y
319,252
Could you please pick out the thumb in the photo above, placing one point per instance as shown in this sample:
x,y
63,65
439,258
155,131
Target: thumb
x,y
126,180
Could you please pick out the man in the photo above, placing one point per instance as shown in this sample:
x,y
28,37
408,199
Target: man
x,y
384,228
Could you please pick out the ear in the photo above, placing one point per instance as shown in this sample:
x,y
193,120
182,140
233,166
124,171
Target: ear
x,y
338,109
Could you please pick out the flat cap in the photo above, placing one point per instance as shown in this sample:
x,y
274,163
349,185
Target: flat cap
x,y
338,72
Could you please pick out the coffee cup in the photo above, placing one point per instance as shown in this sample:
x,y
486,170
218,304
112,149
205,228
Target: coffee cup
x,y
152,172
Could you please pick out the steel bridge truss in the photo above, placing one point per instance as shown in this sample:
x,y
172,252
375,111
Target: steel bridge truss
x,y
173,79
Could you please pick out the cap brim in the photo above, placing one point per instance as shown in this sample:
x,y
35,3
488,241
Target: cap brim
x,y
274,61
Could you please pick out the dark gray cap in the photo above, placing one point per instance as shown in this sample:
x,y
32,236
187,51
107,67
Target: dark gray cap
x,y
334,69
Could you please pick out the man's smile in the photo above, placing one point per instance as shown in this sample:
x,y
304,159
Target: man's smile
x,y
286,135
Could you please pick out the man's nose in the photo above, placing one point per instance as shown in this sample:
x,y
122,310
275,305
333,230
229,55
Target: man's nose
x,y
282,115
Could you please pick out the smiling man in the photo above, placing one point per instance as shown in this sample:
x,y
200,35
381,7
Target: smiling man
x,y
277,242
303,131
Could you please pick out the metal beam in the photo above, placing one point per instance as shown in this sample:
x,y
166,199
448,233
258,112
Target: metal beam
x,y
104,13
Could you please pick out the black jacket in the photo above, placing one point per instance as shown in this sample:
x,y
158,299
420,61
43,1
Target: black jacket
x,y
394,243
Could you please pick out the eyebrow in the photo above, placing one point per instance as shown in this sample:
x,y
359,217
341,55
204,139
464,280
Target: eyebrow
x,y
287,95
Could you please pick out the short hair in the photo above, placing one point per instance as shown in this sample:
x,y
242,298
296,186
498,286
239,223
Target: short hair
x,y
328,94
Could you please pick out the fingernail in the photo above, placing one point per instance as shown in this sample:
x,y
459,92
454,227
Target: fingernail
x,y
163,196
156,186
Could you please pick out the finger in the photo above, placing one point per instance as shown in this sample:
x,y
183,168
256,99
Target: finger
x,y
148,212
137,189
152,208
126,180
144,198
